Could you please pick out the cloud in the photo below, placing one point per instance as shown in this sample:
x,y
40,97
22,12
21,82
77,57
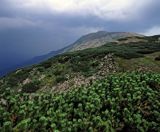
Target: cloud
x,y
153,31
104,9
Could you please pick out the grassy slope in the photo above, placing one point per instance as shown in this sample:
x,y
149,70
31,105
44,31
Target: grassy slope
x,y
147,63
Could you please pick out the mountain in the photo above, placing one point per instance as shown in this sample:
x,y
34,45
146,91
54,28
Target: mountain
x,y
82,66
111,87
91,40
99,38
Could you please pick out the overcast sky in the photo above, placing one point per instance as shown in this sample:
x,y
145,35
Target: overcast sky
x,y
34,27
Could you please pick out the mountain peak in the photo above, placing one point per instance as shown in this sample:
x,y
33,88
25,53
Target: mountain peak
x,y
99,38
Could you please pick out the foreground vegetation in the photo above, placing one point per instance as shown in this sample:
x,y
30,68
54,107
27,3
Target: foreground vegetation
x,y
120,102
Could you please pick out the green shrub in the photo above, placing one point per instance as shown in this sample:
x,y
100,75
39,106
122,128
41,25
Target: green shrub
x,y
157,58
120,102
31,87
60,78
17,77
46,64
41,69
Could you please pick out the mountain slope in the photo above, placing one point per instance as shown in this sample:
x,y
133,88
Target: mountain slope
x,y
73,69
87,41
114,87
99,38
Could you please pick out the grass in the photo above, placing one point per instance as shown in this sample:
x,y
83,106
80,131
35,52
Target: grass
x,y
147,61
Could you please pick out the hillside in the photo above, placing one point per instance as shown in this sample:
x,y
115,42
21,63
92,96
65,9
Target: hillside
x,y
112,87
80,67
87,41
90,40
98,39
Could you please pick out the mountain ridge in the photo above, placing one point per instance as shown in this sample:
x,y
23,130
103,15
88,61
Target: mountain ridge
x,y
82,66
99,38
90,40
114,87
